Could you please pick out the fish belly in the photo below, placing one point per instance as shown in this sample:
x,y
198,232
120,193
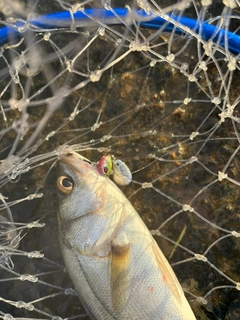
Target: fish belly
x,y
149,297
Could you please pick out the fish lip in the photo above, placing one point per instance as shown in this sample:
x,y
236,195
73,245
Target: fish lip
x,y
75,155
72,160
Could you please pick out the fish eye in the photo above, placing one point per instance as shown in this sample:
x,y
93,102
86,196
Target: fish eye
x,y
65,184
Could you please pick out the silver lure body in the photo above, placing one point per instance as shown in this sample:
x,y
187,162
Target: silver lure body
x,y
117,268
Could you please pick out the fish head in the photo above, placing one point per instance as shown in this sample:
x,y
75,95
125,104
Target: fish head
x,y
79,187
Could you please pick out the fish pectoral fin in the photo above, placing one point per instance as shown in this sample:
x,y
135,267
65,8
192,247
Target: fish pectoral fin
x,y
167,273
120,275
108,227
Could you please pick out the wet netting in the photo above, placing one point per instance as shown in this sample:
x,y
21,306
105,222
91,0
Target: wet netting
x,y
162,96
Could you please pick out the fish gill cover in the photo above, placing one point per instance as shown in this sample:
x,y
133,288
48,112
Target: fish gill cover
x,y
163,100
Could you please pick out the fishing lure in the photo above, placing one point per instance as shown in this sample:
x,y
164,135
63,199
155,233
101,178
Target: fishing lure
x,y
121,173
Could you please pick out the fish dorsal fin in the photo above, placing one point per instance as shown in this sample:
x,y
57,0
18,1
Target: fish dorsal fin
x,y
120,273
167,273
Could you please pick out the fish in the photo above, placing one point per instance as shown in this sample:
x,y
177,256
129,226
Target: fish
x,y
116,266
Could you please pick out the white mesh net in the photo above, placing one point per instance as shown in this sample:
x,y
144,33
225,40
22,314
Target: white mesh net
x,y
166,103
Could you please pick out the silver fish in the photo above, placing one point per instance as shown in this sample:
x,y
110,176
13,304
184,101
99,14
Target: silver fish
x,y
116,266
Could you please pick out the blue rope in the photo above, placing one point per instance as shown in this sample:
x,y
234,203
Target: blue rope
x,y
95,17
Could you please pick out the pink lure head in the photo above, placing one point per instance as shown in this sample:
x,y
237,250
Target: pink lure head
x,y
105,165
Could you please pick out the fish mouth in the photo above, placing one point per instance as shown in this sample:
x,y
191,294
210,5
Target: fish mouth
x,y
75,161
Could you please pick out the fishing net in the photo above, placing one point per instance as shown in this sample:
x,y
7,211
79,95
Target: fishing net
x,y
163,100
